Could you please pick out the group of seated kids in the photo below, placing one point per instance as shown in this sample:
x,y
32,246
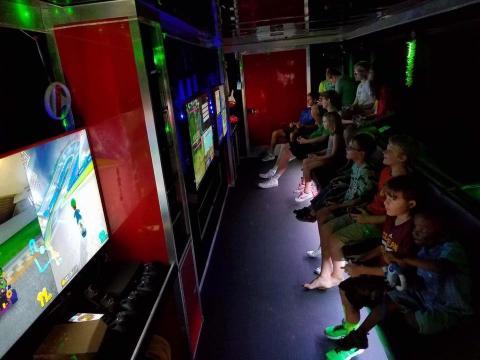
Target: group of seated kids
x,y
406,262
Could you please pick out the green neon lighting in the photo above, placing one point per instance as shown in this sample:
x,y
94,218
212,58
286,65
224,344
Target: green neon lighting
x,y
411,52
69,10
159,56
168,128
472,190
24,13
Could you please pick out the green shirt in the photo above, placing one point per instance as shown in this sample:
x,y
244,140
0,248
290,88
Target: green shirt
x,y
362,182
347,90
320,131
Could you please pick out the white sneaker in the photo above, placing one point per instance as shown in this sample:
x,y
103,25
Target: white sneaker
x,y
318,271
314,253
270,183
268,157
270,173
304,197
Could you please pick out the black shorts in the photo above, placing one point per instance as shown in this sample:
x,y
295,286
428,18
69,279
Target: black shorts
x,y
364,290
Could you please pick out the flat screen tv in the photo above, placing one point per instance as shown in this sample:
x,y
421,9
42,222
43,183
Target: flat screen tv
x,y
51,224
201,135
221,112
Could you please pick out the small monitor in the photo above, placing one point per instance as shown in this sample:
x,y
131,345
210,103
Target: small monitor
x,y
221,112
201,135
51,224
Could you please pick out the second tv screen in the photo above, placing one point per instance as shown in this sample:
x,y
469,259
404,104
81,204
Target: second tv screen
x,y
201,136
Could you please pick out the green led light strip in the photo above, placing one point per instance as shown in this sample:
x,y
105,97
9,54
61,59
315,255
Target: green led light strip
x,y
411,51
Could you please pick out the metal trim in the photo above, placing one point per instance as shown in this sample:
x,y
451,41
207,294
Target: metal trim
x,y
205,270
245,119
152,313
309,74
152,137
72,15
250,44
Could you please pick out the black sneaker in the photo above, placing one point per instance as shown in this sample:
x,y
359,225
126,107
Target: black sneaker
x,y
302,210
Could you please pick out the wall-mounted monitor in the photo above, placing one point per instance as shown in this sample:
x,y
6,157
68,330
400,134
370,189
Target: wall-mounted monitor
x,y
201,135
51,224
221,112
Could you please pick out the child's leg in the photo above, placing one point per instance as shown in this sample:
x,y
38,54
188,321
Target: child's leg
x,y
352,315
378,314
335,245
282,161
277,137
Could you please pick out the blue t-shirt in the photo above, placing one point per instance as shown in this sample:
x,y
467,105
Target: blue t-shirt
x,y
450,291
306,117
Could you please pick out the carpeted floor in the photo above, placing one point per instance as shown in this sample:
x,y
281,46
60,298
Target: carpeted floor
x,y
253,301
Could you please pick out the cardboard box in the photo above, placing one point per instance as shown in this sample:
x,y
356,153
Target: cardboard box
x,y
79,340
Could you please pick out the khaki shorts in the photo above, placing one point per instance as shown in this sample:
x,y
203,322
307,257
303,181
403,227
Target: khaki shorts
x,y
351,232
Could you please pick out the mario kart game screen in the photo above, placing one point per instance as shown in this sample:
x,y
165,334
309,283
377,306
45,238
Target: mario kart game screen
x,y
51,224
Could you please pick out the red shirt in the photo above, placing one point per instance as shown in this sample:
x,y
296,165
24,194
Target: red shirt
x,y
377,206
398,238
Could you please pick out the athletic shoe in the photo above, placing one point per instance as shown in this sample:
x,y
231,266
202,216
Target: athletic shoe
x,y
270,173
337,332
268,157
314,253
352,345
304,197
302,210
318,271
270,183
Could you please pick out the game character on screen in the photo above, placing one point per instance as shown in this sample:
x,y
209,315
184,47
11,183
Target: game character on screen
x,y
78,217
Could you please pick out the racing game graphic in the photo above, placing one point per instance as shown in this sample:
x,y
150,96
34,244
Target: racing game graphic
x,y
51,224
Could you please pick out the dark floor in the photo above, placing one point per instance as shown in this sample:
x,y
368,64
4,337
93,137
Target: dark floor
x,y
253,301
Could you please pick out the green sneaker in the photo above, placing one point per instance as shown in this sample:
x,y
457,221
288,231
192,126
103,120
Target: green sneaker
x,y
336,332
350,346
336,354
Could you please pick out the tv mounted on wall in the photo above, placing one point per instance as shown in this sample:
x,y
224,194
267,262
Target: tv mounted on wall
x,y
51,224
201,135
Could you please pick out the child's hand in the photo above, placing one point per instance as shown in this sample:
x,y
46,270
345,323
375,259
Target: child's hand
x,y
301,140
353,270
360,216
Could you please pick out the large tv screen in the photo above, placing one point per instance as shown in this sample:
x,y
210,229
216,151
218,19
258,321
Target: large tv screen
x,y
201,136
221,112
51,224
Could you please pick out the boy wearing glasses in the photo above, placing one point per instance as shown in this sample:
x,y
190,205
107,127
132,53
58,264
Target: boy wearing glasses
x,y
361,187
363,223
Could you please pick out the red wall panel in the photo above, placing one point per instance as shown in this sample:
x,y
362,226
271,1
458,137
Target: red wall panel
x,y
99,67
255,10
192,299
276,87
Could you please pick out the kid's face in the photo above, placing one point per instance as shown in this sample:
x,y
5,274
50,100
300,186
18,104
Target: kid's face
x,y
393,155
354,152
309,101
329,125
425,231
396,204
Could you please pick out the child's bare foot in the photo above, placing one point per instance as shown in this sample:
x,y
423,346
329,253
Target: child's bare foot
x,y
322,283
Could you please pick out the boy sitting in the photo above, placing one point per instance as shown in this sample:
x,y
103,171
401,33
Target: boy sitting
x,y
438,300
363,223
366,286
361,187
